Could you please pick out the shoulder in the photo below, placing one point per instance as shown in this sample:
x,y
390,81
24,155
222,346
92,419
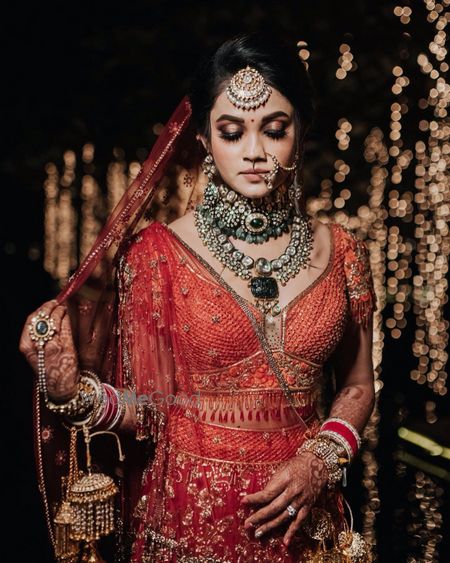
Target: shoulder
x,y
143,244
349,240
142,253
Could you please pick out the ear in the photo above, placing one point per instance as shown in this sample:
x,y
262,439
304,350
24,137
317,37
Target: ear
x,y
203,141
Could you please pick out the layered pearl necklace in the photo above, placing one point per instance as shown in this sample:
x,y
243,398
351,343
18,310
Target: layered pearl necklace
x,y
263,285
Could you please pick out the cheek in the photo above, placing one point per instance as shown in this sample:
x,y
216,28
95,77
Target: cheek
x,y
284,151
225,153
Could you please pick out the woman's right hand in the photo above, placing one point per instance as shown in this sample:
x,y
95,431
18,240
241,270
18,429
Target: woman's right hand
x,y
61,361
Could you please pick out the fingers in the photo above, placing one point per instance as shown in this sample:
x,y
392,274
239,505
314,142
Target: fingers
x,y
273,488
295,524
277,505
58,314
282,516
51,308
48,307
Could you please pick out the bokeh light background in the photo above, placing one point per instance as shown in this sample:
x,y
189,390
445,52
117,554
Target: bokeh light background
x,y
88,88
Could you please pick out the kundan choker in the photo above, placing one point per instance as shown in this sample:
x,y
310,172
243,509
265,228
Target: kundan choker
x,y
244,218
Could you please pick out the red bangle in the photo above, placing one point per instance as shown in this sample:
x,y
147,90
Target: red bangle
x,y
344,430
110,408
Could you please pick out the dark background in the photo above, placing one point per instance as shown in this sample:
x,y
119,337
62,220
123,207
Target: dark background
x,y
94,72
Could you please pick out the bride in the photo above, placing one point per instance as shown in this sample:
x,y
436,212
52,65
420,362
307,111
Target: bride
x,y
197,330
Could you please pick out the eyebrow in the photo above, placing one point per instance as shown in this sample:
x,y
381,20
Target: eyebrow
x,y
265,119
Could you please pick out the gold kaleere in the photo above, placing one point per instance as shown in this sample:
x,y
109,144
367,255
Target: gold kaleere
x,y
87,511
66,548
348,547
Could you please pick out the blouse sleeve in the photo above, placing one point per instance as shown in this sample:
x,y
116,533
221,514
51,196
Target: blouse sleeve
x,y
359,279
145,351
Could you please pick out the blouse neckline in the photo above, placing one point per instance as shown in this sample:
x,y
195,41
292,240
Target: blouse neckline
x,y
286,309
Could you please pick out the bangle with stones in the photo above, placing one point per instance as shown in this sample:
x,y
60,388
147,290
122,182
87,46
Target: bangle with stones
x,y
81,403
340,440
323,449
85,417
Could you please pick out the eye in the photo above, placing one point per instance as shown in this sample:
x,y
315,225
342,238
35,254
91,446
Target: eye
x,y
272,133
231,137
276,133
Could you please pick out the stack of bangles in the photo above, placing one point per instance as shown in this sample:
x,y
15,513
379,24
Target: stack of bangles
x,y
97,404
336,443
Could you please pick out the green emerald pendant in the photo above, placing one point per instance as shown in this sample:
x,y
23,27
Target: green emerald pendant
x,y
264,287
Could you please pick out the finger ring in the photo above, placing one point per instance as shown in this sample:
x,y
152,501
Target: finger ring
x,y
42,328
291,510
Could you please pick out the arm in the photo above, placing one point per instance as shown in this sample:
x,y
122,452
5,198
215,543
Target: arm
x,y
352,362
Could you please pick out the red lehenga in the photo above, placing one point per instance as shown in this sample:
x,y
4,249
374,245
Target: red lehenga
x,y
150,315
240,428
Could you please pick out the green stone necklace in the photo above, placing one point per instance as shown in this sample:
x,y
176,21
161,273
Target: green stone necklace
x,y
244,218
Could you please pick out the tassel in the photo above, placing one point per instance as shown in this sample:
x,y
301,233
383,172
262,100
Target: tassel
x,y
242,416
232,417
362,308
67,550
258,416
266,415
225,418
204,416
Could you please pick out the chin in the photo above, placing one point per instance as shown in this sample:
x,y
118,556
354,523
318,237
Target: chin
x,y
252,189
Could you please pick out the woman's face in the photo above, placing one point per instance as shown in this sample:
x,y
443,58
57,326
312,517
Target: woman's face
x,y
245,139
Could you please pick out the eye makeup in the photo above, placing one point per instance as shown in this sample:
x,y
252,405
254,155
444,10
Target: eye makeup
x,y
273,134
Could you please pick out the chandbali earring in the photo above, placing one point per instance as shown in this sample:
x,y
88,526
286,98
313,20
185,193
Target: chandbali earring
x,y
208,166
270,176
295,190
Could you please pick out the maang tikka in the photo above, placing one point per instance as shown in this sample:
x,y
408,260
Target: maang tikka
x,y
248,89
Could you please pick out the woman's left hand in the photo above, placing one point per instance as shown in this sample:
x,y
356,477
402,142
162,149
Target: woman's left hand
x,y
299,482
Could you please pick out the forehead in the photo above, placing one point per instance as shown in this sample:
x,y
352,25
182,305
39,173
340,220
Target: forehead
x,y
276,102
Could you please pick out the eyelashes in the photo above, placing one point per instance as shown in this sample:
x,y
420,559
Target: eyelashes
x,y
233,137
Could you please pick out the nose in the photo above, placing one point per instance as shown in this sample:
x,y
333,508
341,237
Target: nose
x,y
254,149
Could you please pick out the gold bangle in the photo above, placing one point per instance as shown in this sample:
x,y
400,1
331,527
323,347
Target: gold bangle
x,y
326,451
80,403
87,416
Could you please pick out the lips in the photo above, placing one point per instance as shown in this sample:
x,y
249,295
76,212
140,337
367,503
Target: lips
x,y
254,171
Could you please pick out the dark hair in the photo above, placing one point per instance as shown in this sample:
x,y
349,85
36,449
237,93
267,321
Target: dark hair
x,y
277,61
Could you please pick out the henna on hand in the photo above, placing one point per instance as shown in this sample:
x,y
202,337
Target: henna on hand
x,y
298,482
61,361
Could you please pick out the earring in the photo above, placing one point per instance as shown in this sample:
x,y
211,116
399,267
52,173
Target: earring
x,y
208,166
295,191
